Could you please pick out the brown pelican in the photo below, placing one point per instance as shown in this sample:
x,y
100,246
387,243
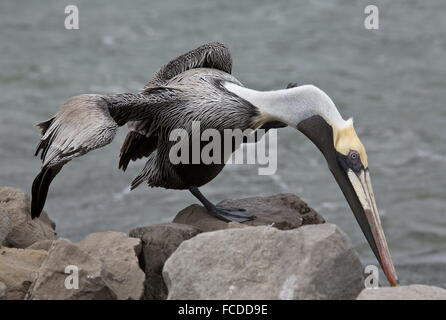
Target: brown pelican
x,y
198,86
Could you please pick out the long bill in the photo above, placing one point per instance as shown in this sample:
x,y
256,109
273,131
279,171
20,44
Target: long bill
x,y
367,215
357,189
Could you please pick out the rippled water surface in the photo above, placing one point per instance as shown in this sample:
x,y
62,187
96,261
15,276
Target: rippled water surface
x,y
391,80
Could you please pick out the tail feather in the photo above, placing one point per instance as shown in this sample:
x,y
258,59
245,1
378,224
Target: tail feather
x,y
45,125
137,181
136,146
40,188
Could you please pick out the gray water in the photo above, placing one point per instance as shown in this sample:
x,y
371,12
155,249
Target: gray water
x,y
391,80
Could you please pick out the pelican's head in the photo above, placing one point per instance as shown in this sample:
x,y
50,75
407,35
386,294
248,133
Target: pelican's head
x,y
310,110
347,160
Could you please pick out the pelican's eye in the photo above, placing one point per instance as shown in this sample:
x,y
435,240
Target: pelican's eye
x,y
353,160
353,156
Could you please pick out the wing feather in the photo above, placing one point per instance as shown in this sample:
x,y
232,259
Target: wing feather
x,y
141,139
85,123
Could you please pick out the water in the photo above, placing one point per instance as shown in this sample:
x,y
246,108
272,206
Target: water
x,y
392,81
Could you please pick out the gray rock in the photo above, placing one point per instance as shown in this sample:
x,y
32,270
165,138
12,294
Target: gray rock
x,y
50,283
2,290
5,226
24,231
158,243
283,211
18,268
412,292
311,262
197,216
119,253
234,224
107,267
41,245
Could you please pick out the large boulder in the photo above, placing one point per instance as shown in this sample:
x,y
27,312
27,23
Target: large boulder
x,y
311,262
18,268
3,289
41,245
23,230
119,253
5,226
283,211
106,264
158,243
53,282
412,292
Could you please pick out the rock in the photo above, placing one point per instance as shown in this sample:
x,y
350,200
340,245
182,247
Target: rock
x,y
51,282
283,211
5,226
106,264
234,224
197,216
158,243
2,290
119,253
412,292
41,245
311,262
18,269
24,230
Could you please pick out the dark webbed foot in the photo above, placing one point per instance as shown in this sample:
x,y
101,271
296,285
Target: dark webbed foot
x,y
225,214
231,214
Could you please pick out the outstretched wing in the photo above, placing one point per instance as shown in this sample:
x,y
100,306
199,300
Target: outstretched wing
x,y
142,138
214,55
84,123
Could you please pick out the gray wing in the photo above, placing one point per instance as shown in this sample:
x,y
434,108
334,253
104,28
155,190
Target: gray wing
x,y
214,55
85,123
142,138
82,124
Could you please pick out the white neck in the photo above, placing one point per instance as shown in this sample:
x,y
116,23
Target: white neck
x,y
292,105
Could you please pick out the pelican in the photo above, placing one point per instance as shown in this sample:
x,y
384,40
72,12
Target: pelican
x,y
198,86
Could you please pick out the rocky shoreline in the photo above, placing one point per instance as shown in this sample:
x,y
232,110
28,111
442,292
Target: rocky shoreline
x,y
288,253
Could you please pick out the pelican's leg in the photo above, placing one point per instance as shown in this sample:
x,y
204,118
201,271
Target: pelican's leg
x,y
225,214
